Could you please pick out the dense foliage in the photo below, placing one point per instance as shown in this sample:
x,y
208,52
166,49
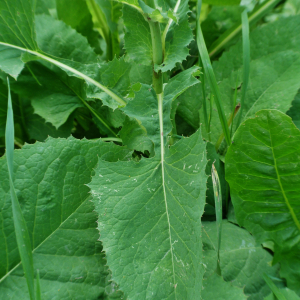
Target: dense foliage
x,y
157,149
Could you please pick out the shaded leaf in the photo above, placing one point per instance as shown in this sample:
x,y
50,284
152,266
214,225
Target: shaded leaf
x,y
242,261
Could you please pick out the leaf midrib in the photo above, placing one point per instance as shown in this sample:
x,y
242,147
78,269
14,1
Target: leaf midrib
x,y
162,158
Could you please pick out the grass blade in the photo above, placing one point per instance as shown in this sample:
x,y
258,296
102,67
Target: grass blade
x,y
38,287
231,33
218,207
210,75
21,231
274,288
246,62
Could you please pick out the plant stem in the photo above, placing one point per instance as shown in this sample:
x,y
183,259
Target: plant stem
x,y
231,118
157,55
202,79
246,62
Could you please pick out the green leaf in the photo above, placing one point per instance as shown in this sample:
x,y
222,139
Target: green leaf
x,y
150,225
274,77
50,181
77,15
134,136
144,106
262,168
214,287
222,2
72,46
138,42
176,37
289,270
17,23
21,230
242,261
10,61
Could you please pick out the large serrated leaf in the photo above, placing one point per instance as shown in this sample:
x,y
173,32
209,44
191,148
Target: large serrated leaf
x,y
50,183
149,221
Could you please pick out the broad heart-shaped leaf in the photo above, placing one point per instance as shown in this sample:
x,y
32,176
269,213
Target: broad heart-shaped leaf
x,y
214,287
242,261
150,221
50,180
263,171
274,77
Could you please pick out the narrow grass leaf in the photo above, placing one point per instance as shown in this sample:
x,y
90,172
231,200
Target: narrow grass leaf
x,y
38,287
274,288
246,61
210,75
218,207
21,231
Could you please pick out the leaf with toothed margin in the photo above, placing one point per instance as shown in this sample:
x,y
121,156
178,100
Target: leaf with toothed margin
x,y
50,180
144,106
178,35
150,220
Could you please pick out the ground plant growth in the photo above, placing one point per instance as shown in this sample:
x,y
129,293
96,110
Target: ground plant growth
x,y
150,149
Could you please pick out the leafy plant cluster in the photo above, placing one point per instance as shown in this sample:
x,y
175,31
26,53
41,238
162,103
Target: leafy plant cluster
x,y
157,149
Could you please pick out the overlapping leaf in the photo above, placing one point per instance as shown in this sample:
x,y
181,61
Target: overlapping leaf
x,y
50,182
274,77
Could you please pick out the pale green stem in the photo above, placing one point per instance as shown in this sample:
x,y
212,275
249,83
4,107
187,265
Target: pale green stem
x,y
157,55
